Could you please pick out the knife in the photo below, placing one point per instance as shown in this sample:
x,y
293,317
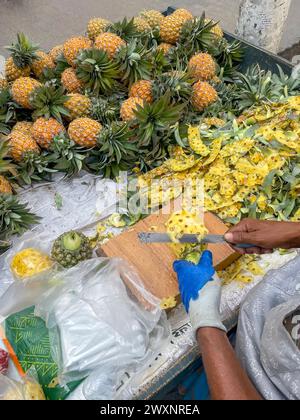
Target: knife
x,y
156,237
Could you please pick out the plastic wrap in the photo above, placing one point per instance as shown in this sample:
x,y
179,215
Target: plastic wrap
x,y
27,389
98,329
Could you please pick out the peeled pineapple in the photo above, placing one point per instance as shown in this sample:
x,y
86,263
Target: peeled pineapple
x,y
30,262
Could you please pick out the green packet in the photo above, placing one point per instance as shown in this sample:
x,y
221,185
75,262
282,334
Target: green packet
x,y
29,337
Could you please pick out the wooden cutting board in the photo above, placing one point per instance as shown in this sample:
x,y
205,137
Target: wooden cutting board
x,y
153,262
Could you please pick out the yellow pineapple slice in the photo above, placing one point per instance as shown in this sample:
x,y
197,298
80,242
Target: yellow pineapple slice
x,y
30,262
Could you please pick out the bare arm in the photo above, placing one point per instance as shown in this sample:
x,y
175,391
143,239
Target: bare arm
x,y
226,378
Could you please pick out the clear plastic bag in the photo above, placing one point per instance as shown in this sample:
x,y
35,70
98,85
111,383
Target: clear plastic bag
x,y
27,389
98,328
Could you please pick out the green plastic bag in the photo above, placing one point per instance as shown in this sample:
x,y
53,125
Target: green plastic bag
x,y
29,337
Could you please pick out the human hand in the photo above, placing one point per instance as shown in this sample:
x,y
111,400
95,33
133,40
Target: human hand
x,y
264,235
200,290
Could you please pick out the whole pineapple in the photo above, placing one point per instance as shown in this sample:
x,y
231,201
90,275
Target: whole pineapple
x,y
153,17
44,130
12,72
128,107
142,89
70,81
170,28
97,26
22,89
109,42
5,167
141,24
20,144
42,62
202,66
23,52
78,106
84,131
55,52
73,46
203,95
71,248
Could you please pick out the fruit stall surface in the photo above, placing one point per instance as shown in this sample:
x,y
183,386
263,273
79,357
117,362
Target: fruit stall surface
x,y
163,98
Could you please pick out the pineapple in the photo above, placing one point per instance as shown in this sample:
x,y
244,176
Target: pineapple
x,y
78,106
23,52
70,81
43,61
29,262
185,14
217,30
5,187
203,95
22,89
71,248
153,17
97,26
12,72
165,47
142,89
202,66
84,131
73,46
48,101
23,127
109,42
129,106
55,52
195,142
20,144
141,24
3,83
170,28
44,130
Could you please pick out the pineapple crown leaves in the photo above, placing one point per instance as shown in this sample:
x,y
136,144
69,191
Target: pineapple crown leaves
x,y
106,110
15,217
156,118
34,167
197,35
160,63
48,101
230,53
177,83
23,51
285,85
67,155
8,111
115,151
125,29
134,62
5,164
96,70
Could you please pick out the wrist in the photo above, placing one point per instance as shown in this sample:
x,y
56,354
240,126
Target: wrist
x,y
208,334
293,240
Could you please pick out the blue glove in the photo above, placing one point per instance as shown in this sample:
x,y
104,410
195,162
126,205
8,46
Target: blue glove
x,y
200,290
192,278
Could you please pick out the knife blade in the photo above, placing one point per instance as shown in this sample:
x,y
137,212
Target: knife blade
x,y
154,237
158,237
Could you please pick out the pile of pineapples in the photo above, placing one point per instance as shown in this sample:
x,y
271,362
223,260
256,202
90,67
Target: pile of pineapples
x,y
115,99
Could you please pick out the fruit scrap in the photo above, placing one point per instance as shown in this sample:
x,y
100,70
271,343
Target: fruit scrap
x,y
30,262
168,303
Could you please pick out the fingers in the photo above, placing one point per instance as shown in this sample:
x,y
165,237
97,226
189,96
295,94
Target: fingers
x,y
252,250
180,265
239,237
206,259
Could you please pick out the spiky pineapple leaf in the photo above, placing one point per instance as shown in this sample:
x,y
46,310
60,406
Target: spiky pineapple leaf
x,y
125,29
48,101
23,51
97,71
134,62
15,217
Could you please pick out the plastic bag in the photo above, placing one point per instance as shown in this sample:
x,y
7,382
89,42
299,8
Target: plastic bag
x,y
28,389
97,326
4,360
